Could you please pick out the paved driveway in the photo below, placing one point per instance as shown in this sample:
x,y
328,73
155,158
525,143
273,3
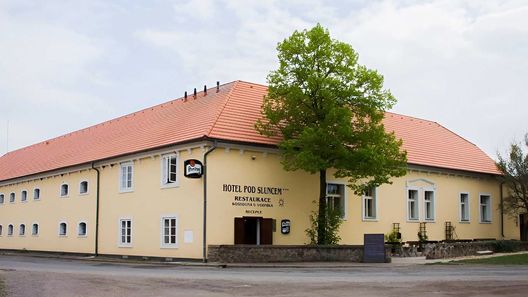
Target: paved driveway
x,y
29,276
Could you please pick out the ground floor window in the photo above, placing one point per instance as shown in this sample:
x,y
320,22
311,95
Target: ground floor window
x,y
63,229
412,205
35,229
81,229
485,208
429,205
10,230
125,232
169,231
370,204
22,230
335,198
464,207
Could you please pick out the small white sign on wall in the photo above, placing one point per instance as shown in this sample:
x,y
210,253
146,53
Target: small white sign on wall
x,y
188,236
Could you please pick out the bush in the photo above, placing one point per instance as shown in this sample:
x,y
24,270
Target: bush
x,y
506,246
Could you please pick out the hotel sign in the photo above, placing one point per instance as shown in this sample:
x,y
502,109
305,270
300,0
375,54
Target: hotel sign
x,y
251,196
192,168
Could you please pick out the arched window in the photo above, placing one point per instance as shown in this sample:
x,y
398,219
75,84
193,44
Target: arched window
x,y
83,187
23,196
36,194
63,228
1,230
12,197
82,229
35,229
10,230
64,190
1,198
22,230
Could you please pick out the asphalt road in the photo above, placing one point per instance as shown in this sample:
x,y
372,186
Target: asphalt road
x,y
29,276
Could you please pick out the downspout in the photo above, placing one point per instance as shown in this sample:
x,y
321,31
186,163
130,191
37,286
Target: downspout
x,y
502,209
97,211
204,252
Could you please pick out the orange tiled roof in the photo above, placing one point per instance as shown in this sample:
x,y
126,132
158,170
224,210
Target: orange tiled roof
x,y
229,114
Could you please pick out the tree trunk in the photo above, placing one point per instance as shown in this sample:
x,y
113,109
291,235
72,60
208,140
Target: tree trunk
x,y
321,219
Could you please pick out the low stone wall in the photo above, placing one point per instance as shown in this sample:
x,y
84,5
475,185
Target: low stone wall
x,y
286,253
444,250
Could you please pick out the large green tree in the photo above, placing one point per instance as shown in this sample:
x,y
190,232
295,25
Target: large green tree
x,y
329,111
515,177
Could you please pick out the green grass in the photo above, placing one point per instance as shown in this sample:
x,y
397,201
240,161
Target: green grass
x,y
520,259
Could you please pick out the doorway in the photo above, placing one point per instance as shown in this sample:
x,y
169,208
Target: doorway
x,y
523,226
253,230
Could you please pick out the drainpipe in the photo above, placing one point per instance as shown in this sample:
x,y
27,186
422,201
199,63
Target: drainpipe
x,y
204,252
97,211
502,209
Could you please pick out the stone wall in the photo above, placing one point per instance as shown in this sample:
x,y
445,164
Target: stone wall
x,y
286,253
460,249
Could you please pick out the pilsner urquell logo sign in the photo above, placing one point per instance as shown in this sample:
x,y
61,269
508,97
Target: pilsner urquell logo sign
x,y
193,168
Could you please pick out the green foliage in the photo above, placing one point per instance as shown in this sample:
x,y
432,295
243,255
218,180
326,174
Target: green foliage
x,y
515,177
422,237
392,237
506,246
329,111
332,224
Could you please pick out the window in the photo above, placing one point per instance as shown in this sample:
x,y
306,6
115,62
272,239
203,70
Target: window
x,y
125,180
10,230
83,187
485,208
35,229
464,207
369,204
169,230
23,196
125,232
81,229
429,205
169,167
412,201
335,198
64,190
1,231
63,228
22,230
1,198
12,197
36,194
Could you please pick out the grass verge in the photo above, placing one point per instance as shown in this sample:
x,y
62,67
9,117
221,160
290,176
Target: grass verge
x,y
519,259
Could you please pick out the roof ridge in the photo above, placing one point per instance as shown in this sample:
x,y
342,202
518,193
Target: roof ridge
x,y
217,117
412,117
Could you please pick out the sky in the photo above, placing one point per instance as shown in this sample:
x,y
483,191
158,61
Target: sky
x,y
67,65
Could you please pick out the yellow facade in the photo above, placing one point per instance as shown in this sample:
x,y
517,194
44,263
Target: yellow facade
x,y
242,181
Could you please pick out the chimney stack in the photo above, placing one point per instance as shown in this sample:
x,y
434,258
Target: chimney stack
x,y
185,96
217,86
194,96
205,90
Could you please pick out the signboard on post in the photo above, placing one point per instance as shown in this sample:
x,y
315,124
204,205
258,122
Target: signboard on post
x,y
374,248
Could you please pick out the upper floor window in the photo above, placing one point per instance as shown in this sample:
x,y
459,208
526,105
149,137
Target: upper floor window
x,y
370,204
64,190
1,230
126,177
23,196
22,230
35,229
429,205
63,229
83,187
12,197
2,198
36,194
412,205
335,198
485,208
464,207
169,167
10,230
81,230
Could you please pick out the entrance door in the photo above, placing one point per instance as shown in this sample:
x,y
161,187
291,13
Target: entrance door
x,y
523,224
253,230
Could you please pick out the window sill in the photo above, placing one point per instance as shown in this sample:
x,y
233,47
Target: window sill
x,y
82,236
65,196
125,246
24,201
83,194
34,235
486,222
370,220
464,222
63,236
429,221
170,186
413,221
123,191
36,200
169,246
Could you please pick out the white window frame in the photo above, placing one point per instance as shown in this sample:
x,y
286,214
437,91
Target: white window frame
x,y
120,243
10,229
164,245
165,166
127,188
36,197
490,208
344,197
79,229
67,190
22,227
22,196
12,194
1,230
38,229
468,208
87,187
66,229
3,198
417,205
433,202
364,199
